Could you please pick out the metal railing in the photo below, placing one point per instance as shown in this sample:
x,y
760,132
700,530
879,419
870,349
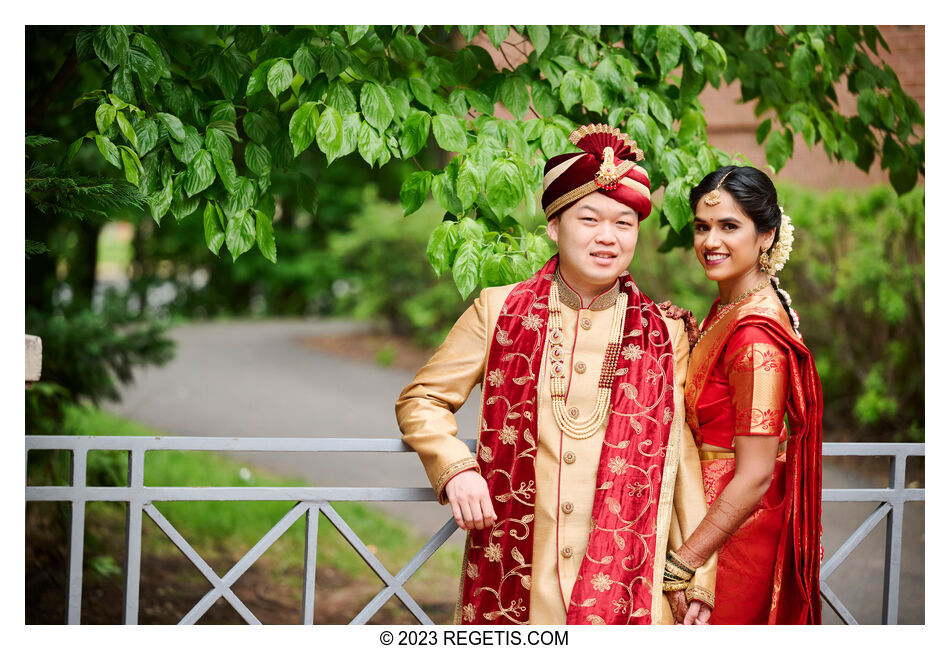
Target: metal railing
x,y
312,501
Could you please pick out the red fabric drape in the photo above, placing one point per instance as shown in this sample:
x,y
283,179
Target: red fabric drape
x,y
618,566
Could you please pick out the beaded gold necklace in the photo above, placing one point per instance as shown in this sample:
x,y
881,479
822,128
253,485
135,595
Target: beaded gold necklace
x,y
574,427
728,307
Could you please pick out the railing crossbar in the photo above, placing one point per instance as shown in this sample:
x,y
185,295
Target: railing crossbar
x,y
311,501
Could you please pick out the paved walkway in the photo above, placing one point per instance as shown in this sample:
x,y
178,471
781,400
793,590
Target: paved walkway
x,y
257,379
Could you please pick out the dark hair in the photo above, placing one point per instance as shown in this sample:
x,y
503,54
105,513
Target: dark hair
x,y
755,193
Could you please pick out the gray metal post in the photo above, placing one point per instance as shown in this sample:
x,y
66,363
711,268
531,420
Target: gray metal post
x,y
892,547
310,563
77,524
133,537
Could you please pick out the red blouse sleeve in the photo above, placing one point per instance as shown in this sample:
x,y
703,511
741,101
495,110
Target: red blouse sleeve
x,y
757,371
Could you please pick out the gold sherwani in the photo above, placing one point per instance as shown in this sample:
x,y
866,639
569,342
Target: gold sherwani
x,y
565,468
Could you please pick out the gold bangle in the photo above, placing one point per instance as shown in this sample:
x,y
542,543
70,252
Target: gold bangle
x,y
676,572
671,556
675,586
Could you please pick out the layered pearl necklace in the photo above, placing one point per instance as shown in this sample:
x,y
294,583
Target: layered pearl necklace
x,y
728,307
574,427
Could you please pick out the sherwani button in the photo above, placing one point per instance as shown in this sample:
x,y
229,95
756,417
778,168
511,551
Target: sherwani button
x,y
585,323
573,411
580,367
569,457
567,507
567,551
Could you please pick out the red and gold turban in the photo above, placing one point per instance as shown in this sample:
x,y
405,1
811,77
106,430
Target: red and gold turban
x,y
607,164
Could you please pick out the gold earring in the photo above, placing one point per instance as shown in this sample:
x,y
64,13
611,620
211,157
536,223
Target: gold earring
x,y
765,264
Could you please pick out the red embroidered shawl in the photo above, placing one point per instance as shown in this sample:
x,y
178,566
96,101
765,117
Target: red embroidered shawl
x,y
616,574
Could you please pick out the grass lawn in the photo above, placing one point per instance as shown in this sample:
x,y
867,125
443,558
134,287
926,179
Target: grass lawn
x,y
223,531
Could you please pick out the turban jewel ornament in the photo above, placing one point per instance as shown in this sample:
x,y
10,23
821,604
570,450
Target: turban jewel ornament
x,y
607,163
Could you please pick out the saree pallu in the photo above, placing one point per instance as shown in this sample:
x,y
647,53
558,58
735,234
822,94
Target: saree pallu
x,y
744,579
795,598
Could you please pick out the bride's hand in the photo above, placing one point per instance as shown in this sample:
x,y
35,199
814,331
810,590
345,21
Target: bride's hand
x,y
674,312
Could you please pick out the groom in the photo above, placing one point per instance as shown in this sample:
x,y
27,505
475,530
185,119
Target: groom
x,y
585,471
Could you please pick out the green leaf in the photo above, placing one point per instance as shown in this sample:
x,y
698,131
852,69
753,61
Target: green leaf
x,y
443,189
449,133
108,150
867,105
503,186
200,173
264,233
216,142
540,36
544,99
146,136
442,243
355,32
660,110
305,62
553,140
159,202
261,127
803,66
340,97
676,204
465,65
590,92
669,44
400,100
759,36
279,77
73,150
469,183
480,102
242,199
189,146
608,74
111,45
105,115
497,34
414,190
239,235
376,107
227,172
214,236
303,126
533,129
848,147
514,95
763,130
371,145
258,79
257,159
175,128
132,165
333,61
329,135
465,269
154,51
351,129
126,129
776,150
415,132
570,89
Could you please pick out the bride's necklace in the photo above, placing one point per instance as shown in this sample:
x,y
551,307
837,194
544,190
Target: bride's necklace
x,y
575,427
728,307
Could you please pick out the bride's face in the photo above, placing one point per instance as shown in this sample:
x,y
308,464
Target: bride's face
x,y
726,241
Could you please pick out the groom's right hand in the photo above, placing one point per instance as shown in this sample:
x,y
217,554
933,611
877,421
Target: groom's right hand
x,y
471,504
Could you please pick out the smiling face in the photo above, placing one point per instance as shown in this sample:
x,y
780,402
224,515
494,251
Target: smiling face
x,y
596,238
727,244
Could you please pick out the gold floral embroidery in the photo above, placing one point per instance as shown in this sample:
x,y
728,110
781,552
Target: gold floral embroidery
x,y
532,322
493,552
508,435
468,613
632,351
601,582
496,378
617,465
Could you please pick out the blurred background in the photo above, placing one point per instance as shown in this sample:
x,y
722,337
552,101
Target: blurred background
x,y
146,332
